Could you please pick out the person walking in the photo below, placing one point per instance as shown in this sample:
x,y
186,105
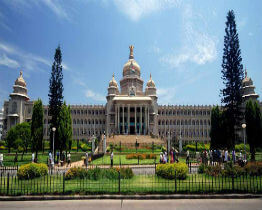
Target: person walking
x,y
226,156
187,157
69,159
33,157
1,159
112,158
161,158
15,159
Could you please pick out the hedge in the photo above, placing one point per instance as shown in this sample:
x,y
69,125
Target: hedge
x,y
141,156
168,170
32,170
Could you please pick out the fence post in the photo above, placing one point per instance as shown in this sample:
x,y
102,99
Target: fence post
x,y
138,159
232,183
63,182
7,190
119,178
190,167
175,183
155,165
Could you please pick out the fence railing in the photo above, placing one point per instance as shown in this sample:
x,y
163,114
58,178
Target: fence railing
x,y
143,182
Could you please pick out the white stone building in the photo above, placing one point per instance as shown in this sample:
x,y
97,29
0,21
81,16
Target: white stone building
x,y
130,109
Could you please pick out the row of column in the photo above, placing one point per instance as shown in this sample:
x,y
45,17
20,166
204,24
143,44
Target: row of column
x,y
145,112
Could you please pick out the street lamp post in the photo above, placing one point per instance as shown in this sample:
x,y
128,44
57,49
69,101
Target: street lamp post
x,y
53,129
244,127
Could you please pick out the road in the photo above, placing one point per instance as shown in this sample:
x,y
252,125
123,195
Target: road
x,y
184,204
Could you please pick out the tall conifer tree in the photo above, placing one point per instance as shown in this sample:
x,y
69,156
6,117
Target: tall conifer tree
x,y
55,94
232,75
37,126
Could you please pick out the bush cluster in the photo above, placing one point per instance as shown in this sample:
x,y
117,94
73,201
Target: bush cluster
x,y
254,168
98,173
32,170
200,147
167,171
85,147
141,156
241,147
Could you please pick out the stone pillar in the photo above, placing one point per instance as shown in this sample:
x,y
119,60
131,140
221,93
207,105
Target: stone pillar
x,y
148,126
135,119
140,127
123,120
118,119
115,119
145,120
128,119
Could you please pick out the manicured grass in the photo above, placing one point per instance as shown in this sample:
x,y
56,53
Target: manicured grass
x,y
42,158
138,184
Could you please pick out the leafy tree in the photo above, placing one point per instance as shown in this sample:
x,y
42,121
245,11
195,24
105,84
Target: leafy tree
x,y
37,127
23,132
64,128
56,93
253,126
10,139
232,75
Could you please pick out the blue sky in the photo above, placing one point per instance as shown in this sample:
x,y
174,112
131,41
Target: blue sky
x,y
179,42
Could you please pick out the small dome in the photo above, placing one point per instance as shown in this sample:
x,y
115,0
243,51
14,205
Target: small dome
x,y
20,80
131,67
113,82
150,82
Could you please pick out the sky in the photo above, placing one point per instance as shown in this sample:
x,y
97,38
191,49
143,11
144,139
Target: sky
x,y
179,42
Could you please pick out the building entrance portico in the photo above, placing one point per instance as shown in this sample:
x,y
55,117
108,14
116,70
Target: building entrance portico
x,y
132,119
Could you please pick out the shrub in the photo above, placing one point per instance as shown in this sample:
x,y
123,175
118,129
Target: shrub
x,y
2,147
98,173
167,171
232,170
2,143
240,147
254,168
141,156
32,170
201,168
213,170
85,147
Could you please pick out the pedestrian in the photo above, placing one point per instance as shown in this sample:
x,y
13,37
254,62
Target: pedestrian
x,y
240,155
233,156
112,158
86,159
1,159
165,157
15,159
187,157
50,158
69,159
171,155
161,158
33,157
226,156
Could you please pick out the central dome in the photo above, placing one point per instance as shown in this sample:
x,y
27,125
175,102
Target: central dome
x,y
131,67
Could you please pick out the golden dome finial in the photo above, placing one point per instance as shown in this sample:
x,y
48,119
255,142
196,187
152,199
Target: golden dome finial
x,y
131,54
21,73
150,76
113,75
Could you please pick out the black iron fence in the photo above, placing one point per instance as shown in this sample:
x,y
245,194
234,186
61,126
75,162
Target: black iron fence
x,y
144,181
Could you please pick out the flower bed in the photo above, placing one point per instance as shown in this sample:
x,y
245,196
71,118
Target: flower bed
x,y
140,156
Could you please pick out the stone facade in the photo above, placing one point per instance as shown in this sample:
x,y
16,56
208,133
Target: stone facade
x,y
130,110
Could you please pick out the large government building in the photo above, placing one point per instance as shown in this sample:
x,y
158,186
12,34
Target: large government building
x,y
130,109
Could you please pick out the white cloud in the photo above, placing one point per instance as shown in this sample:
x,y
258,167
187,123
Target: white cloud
x,y
95,96
136,9
197,47
14,57
4,60
166,95
55,6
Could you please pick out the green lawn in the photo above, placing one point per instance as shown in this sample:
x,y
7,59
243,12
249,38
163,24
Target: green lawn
x,y
138,184
42,158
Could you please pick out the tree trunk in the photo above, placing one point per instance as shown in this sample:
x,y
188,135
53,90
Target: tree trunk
x,y
36,156
9,149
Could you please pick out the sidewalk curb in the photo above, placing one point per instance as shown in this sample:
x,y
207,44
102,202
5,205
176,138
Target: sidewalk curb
x,y
129,197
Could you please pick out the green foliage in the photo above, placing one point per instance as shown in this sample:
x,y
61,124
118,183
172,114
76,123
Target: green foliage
x,y
213,170
10,138
85,147
253,126
64,127
37,126
232,75
32,170
201,168
98,173
200,147
56,94
167,171
233,170
254,168
241,147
